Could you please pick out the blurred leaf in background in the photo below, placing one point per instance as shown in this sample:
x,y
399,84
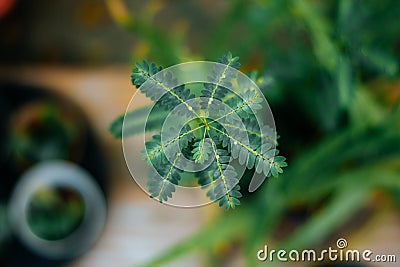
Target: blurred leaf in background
x,y
4,229
55,213
330,63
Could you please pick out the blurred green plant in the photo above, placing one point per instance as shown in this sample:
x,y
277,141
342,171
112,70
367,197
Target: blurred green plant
x,y
343,142
41,131
4,228
55,213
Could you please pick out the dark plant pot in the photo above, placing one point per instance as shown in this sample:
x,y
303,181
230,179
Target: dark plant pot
x,y
39,126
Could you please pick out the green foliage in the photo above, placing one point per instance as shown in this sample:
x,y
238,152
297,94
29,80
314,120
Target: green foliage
x,y
135,120
375,165
4,226
202,151
163,188
54,214
229,187
340,130
214,90
204,140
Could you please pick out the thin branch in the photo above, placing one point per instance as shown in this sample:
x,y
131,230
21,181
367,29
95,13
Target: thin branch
x,y
168,175
163,146
245,103
257,154
249,131
202,145
169,90
221,171
221,77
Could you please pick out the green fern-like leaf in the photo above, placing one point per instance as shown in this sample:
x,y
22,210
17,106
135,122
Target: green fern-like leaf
x,y
162,182
213,89
162,87
228,188
202,151
143,72
234,135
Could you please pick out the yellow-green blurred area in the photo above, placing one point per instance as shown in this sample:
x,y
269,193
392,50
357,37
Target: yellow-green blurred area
x,y
333,86
55,212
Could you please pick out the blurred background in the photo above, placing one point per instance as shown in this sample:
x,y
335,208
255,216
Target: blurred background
x,y
332,69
